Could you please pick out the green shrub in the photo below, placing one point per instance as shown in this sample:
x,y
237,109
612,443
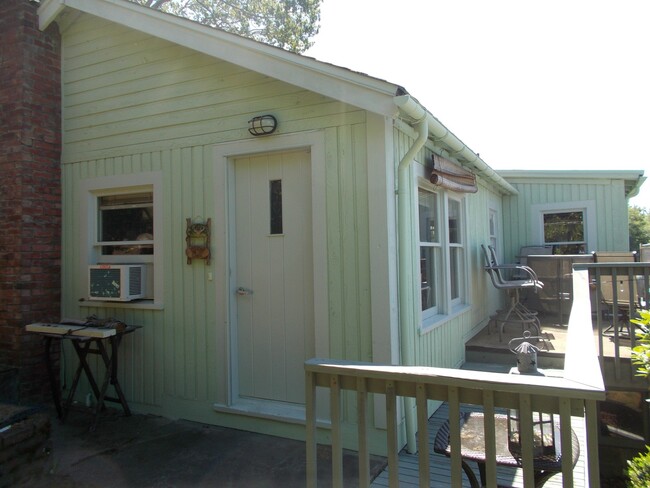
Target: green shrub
x,y
638,470
641,352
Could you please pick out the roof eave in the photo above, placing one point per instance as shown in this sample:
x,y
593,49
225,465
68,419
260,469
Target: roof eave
x,y
356,89
441,135
633,179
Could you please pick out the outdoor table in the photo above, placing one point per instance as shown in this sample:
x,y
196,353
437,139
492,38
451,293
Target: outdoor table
x,y
472,448
86,340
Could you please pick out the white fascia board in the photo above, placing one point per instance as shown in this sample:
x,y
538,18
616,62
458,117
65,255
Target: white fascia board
x,y
572,174
338,83
633,179
48,11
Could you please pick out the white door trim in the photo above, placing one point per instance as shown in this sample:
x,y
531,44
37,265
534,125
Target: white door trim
x,y
224,156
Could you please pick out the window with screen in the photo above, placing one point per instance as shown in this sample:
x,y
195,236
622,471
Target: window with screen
x,y
121,226
430,249
565,231
442,265
125,223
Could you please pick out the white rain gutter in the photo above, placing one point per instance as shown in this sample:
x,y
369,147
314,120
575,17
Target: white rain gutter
x,y
405,272
457,148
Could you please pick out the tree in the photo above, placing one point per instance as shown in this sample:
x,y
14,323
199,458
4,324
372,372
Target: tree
x,y
289,24
639,222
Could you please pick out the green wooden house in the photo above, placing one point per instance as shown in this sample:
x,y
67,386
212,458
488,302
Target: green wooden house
x,y
597,199
349,229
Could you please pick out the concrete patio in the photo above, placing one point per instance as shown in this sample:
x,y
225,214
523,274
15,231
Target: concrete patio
x,y
148,451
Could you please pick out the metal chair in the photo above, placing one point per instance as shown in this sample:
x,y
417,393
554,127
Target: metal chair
x,y
526,251
516,312
618,292
521,273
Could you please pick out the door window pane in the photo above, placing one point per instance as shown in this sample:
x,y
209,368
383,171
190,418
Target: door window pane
x,y
275,192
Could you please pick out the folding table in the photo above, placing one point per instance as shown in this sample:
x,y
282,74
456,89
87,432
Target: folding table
x,y
101,341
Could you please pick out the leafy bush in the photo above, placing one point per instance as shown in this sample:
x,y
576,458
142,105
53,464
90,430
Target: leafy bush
x,y
641,352
638,470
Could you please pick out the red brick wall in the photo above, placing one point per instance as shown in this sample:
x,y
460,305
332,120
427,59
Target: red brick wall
x,y
30,190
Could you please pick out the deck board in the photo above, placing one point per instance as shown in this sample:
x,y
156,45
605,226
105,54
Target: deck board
x,y
440,466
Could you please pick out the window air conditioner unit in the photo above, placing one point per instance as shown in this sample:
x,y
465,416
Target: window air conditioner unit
x,y
116,282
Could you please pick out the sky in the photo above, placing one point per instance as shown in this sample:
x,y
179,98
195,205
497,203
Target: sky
x,y
555,84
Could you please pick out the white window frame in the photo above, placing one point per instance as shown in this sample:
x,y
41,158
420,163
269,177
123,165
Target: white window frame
x,y
100,245
461,248
437,248
493,228
91,190
446,306
588,209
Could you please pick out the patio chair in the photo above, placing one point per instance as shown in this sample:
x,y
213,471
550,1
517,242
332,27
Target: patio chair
x,y
615,257
516,312
526,251
618,292
556,272
644,253
520,272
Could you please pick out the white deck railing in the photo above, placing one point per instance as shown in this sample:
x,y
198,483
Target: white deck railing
x,y
575,393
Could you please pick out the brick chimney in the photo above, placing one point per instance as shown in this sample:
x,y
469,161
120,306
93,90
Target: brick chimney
x,y
30,193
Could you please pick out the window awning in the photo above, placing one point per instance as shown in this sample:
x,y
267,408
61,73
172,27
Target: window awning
x,y
452,176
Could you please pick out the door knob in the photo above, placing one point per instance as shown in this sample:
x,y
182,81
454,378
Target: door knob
x,y
241,291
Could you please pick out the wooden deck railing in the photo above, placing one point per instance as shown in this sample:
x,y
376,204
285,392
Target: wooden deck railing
x,y
618,291
574,393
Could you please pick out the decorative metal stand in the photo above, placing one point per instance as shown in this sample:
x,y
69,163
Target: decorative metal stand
x,y
526,352
544,438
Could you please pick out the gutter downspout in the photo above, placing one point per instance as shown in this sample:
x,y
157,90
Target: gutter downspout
x,y
405,274
458,149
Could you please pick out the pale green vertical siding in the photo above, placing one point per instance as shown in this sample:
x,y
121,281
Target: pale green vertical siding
x,y
133,104
126,93
607,195
138,104
348,248
444,345
174,353
347,243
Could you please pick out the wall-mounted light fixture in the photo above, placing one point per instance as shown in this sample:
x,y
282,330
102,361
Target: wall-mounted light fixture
x,y
262,125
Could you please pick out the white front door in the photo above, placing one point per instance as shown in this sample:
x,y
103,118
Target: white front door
x,y
273,275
